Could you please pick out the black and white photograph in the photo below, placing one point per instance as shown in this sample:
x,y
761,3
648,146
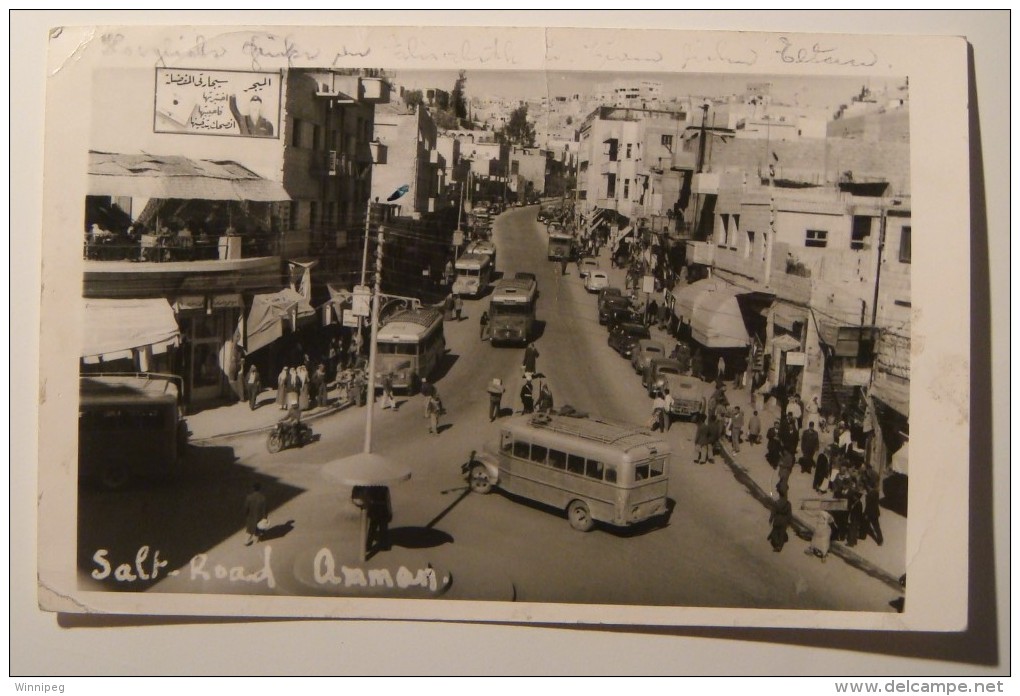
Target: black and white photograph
x,y
605,338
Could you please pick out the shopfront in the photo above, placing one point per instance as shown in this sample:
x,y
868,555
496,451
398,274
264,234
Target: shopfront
x,y
209,360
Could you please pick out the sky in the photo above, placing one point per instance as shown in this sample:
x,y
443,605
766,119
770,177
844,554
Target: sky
x,y
805,91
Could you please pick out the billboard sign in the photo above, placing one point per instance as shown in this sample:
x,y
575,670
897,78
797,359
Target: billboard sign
x,y
217,102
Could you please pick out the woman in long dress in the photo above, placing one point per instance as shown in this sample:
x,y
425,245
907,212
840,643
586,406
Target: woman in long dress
x,y
281,389
820,540
304,399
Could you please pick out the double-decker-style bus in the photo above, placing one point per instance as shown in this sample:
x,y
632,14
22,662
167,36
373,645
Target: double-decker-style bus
x,y
130,425
512,310
474,273
410,346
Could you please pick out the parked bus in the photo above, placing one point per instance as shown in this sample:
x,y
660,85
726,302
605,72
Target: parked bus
x,y
410,346
474,273
561,245
130,425
592,469
512,311
483,247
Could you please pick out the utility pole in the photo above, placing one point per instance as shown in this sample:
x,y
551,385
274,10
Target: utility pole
x,y
376,296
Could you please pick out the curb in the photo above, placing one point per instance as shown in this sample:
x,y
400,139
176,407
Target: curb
x,y
266,428
806,530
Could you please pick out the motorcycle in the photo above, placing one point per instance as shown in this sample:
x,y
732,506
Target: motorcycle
x,y
288,434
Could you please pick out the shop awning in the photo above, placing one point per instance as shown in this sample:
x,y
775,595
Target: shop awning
x,y
173,176
115,328
784,342
786,316
901,459
268,314
710,306
718,321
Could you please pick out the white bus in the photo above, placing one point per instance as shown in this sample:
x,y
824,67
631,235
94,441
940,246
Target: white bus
x,y
592,469
474,273
512,311
561,245
410,346
482,246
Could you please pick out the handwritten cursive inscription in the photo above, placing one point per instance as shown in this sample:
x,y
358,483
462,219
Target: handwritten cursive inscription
x,y
821,54
496,50
270,46
609,52
181,47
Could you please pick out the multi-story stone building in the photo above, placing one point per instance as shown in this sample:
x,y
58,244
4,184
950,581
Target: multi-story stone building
x,y
406,155
222,197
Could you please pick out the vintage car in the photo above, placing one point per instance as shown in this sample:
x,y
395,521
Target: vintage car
x,y
595,281
615,304
623,337
587,264
690,394
645,351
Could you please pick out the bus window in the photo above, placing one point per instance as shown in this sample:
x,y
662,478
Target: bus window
x,y
610,474
575,464
557,459
521,449
641,472
538,454
506,441
594,469
658,466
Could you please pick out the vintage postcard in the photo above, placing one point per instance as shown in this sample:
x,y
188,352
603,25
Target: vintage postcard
x,y
505,324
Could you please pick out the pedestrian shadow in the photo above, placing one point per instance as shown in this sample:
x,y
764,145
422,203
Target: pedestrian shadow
x,y
278,531
419,537
506,412
444,427
446,363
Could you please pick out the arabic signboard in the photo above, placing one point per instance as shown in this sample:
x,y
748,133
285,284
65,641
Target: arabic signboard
x,y
217,102
362,301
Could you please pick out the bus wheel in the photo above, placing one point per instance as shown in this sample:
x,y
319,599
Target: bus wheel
x,y
579,516
115,475
480,481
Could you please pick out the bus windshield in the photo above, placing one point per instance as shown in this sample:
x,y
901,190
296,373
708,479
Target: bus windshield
x,y
397,348
516,309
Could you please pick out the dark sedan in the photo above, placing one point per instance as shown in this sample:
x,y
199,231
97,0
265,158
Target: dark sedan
x,y
622,315
623,337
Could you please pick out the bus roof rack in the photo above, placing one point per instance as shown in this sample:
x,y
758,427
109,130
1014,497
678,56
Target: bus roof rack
x,y
581,426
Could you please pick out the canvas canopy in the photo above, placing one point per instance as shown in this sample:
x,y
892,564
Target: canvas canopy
x,y
172,176
268,314
115,328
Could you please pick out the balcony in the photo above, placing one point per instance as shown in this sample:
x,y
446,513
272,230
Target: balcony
x,y
374,90
379,152
609,167
701,252
705,183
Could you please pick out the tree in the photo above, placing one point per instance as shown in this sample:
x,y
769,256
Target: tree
x,y
518,129
413,98
457,99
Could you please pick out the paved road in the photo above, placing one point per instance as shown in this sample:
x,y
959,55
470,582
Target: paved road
x,y
713,553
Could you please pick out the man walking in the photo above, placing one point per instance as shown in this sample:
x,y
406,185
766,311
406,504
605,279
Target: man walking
x,y
387,391
530,359
754,429
483,326
703,441
527,396
809,448
736,428
255,514
495,391
458,307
